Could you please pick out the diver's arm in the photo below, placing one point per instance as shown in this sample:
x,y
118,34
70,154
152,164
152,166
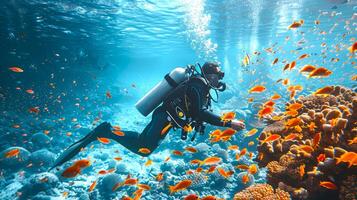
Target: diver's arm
x,y
203,114
211,118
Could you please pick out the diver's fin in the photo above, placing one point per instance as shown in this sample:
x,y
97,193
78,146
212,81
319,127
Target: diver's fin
x,y
75,148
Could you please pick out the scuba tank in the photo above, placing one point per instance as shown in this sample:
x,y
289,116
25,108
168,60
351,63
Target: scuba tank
x,y
156,95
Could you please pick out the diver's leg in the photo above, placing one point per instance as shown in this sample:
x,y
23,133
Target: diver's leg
x,y
149,138
74,149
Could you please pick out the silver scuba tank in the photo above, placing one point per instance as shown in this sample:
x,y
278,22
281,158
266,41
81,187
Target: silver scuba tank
x,y
156,95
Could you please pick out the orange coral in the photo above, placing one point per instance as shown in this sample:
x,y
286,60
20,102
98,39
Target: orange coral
x,y
326,124
262,191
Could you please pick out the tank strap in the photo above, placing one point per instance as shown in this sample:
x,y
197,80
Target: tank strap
x,y
171,81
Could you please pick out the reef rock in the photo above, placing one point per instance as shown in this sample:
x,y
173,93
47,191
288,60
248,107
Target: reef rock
x,y
262,191
41,160
325,128
43,182
40,140
14,162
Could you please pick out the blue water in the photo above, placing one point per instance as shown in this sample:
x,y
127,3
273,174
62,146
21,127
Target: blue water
x,y
73,52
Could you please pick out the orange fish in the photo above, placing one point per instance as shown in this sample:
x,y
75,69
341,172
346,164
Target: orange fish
x,y
195,161
293,122
242,167
118,158
71,171
210,197
82,163
324,90
251,143
328,185
253,169
228,116
243,152
307,68
296,24
191,197
144,186
349,157
265,111
291,113
103,140
191,149
303,56
118,133
292,65
16,69
291,137
102,172
12,153
302,170
257,89
30,91
269,103
316,139
144,150
271,138
275,61
92,186
275,96
228,132
108,95
211,169
286,67
199,169
294,106
215,133
131,181
159,177
306,148
245,179
182,185
148,162
354,78
321,157
353,48
211,161
251,132
286,81
233,147
320,72
353,141
166,129
34,110
222,172
177,153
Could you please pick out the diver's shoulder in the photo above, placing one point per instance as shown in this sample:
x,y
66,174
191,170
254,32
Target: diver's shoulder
x,y
197,80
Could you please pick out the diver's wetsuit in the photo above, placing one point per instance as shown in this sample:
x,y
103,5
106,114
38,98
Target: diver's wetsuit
x,y
197,92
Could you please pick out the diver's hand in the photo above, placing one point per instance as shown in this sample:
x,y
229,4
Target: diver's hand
x,y
237,125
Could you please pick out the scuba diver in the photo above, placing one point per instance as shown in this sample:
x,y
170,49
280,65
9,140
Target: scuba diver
x,y
182,100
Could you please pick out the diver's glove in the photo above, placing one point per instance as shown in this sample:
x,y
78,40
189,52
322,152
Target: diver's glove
x,y
237,125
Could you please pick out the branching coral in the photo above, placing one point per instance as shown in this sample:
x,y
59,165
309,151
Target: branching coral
x,y
261,191
321,149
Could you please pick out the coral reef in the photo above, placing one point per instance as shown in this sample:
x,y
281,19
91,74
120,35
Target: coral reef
x,y
313,145
261,191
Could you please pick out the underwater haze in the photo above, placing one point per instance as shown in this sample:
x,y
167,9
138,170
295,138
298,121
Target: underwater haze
x,y
290,70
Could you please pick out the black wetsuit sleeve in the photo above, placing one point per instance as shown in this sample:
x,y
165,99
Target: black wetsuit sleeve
x,y
201,114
